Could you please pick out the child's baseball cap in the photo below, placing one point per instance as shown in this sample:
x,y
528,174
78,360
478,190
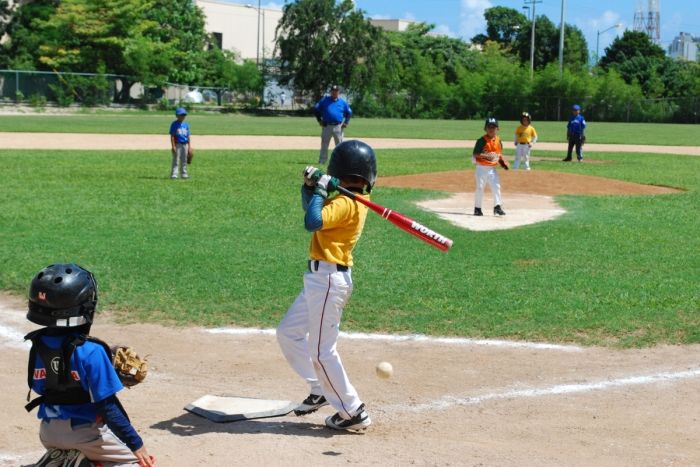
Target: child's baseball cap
x,y
576,107
180,111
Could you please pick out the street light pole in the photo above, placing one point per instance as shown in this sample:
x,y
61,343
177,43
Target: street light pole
x,y
257,50
561,40
597,40
532,37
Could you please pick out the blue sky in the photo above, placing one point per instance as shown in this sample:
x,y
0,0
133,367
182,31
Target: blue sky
x,y
464,18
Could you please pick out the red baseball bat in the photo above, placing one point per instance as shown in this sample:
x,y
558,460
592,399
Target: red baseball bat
x,y
416,229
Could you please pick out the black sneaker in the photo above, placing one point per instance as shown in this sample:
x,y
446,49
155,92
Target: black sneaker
x,y
360,421
310,405
568,159
497,211
477,212
52,458
75,458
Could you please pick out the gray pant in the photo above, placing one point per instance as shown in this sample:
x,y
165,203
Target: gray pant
x,y
97,442
180,157
335,131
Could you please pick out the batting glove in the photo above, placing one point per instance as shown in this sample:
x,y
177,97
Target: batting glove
x,y
311,175
326,184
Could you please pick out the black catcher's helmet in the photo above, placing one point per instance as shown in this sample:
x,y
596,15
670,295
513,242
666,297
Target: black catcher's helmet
x,y
491,121
62,296
354,158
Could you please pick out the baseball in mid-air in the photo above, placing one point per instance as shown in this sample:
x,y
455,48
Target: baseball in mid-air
x,y
385,370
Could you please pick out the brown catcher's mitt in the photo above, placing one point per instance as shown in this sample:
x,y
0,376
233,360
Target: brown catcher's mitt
x,y
502,162
131,368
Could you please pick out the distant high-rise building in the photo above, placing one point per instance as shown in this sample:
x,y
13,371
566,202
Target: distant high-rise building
x,y
684,47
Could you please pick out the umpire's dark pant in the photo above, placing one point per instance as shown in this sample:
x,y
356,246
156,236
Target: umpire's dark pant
x,y
575,140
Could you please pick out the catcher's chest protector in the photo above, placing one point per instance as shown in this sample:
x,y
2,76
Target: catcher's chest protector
x,y
60,386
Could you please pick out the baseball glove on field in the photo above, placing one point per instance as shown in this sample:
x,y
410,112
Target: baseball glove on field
x,y
190,155
130,368
502,162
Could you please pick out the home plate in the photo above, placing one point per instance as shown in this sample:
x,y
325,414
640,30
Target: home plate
x,y
231,408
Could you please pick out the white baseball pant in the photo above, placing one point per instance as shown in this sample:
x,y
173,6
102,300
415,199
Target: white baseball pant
x,y
487,174
308,335
522,151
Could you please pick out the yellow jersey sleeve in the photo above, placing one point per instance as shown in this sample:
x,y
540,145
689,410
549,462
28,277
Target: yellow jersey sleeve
x,y
343,221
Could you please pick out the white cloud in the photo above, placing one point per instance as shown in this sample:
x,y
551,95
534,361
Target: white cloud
x,y
471,17
606,20
443,30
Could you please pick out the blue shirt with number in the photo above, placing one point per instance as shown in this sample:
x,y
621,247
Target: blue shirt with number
x,y
181,131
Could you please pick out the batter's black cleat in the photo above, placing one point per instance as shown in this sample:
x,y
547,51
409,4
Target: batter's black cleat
x,y
310,405
477,212
497,211
359,421
568,159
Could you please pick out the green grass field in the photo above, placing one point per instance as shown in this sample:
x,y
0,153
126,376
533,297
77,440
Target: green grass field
x,y
228,247
238,124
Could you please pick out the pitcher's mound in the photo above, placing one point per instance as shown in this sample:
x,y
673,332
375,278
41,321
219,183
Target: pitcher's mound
x,y
522,209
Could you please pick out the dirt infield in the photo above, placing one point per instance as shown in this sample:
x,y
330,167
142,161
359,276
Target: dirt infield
x,y
155,142
450,401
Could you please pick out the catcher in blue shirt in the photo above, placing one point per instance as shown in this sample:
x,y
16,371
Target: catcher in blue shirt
x,y
333,114
81,418
575,133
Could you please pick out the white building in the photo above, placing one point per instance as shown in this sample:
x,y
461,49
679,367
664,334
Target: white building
x,y
683,47
242,28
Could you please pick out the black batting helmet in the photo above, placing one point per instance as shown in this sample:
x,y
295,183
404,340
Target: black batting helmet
x,y
354,158
525,115
62,296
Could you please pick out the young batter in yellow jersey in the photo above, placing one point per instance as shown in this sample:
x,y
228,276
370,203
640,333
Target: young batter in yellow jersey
x,y
525,138
308,333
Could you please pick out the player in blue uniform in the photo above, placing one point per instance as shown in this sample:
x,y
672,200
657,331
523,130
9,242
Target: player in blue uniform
x,y
575,133
180,143
333,114
81,418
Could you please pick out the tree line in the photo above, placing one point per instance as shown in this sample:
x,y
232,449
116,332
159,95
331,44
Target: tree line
x,y
408,74
415,74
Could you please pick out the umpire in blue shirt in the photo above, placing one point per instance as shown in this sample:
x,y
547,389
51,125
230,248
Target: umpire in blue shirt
x,y
333,114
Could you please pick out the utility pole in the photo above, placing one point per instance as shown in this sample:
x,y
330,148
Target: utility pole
x,y
561,40
257,51
532,36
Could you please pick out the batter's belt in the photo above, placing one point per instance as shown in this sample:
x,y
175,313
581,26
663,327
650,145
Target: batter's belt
x,y
315,264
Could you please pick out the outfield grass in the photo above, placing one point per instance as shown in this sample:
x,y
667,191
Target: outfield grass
x,y
228,247
238,124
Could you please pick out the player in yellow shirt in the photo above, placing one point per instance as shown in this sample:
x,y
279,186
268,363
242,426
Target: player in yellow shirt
x,y
308,333
525,137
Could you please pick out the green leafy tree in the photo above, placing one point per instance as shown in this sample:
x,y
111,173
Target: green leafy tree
x,y
21,50
321,42
637,59
503,25
546,43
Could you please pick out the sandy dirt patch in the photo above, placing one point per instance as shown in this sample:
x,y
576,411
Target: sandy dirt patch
x,y
468,403
155,142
